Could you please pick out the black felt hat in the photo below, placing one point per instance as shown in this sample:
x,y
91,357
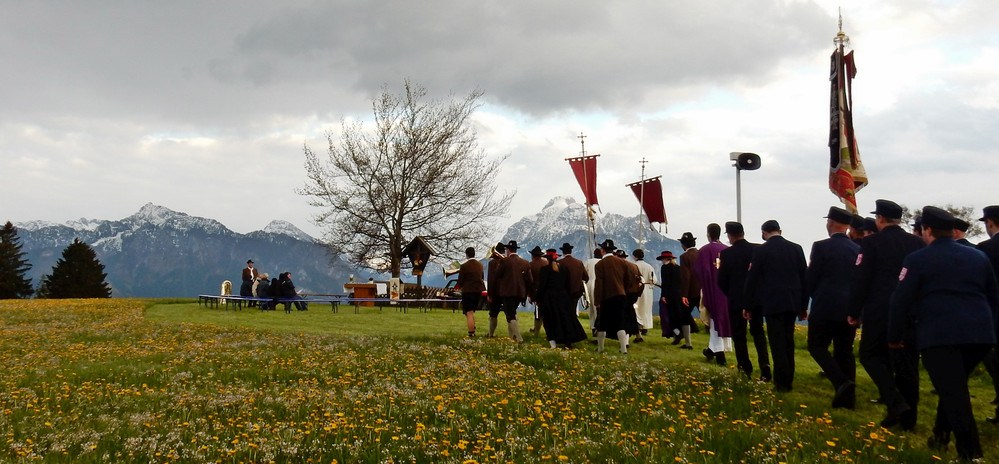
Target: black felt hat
x,y
839,215
887,208
608,245
566,248
770,226
936,218
961,224
536,251
512,245
734,228
990,212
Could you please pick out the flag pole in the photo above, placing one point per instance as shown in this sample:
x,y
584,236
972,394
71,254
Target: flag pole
x,y
591,236
641,207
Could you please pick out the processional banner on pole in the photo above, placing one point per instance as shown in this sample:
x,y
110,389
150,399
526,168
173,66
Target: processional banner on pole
x,y
585,168
651,200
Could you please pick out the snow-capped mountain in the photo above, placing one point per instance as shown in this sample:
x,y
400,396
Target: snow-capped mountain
x,y
158,252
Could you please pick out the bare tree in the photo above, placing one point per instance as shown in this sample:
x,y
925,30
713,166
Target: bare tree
x,y
419,171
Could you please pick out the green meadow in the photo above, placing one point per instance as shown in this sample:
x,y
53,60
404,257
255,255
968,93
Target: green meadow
x,y
144,381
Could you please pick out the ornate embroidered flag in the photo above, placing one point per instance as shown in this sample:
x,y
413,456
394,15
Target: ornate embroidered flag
x,y
846,172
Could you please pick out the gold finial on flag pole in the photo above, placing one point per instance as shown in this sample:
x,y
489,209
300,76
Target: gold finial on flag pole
x,y
841,40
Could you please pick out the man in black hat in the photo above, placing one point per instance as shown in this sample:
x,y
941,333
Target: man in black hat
x,y
961,232
249,275
733,266
990,216
492,286
949,293
538,261
856,231
775,286
576,273
616,279
830,270
874,279
690,286
515,283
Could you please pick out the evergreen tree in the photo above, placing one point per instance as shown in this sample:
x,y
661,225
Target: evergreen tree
x,y
14,280
78,274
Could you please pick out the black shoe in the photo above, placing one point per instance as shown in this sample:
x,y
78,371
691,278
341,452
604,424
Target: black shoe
x,y
992,420
645,331
765,374
907,420
877,401
676,340
720,359
639,340
894,415
996,400
686,347
708,354
823,374
845,395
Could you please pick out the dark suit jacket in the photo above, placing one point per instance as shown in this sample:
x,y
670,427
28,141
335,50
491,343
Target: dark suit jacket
x,y
615,277
690,287
514,277
949,291
470,277
577,274
830,274
877,268
991,249
734,264
775,282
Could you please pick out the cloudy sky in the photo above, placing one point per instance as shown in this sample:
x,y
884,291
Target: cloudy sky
x,y
203,107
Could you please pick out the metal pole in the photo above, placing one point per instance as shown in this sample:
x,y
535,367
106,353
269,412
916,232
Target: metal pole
x,y
738,194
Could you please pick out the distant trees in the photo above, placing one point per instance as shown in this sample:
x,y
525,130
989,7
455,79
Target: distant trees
x,y
968,213
78,274
419,172
14,280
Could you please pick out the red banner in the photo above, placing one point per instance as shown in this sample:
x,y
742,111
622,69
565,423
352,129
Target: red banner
x,y
846,172
585,168
651,200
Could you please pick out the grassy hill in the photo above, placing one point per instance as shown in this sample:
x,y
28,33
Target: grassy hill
x,y
171,381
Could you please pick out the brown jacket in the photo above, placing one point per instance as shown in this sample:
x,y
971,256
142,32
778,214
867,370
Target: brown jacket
x,y
514,277
537,262
470,277
690,287
615,277
492,279
577,274
249,275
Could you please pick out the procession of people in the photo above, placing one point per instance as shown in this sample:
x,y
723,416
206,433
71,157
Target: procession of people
x,y
929,295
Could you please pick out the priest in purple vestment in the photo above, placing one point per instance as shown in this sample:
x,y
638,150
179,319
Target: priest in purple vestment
x,y
713,299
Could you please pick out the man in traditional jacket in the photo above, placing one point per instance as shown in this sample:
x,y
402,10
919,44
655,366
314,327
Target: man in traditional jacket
x,y
492,286
538,261
577,274
690,286
616,279
471,284
713,300
515,282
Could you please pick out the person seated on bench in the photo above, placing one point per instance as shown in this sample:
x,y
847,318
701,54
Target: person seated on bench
x,y
264,290
288,292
